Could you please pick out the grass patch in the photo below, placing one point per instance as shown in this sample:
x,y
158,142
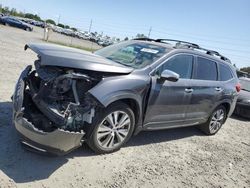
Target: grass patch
x,y
72,46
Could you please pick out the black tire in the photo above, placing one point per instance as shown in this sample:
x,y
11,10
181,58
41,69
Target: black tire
x,y
99,120
207,127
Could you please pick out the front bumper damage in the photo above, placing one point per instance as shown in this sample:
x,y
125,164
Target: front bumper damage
x,y
57,141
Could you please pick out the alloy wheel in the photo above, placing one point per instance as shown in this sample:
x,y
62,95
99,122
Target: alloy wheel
x,y
113,130
216,121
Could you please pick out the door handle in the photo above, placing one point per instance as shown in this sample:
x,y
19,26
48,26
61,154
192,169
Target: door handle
x,y
218,89
189,90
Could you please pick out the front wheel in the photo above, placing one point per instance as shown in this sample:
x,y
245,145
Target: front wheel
x,y
112,129
215,122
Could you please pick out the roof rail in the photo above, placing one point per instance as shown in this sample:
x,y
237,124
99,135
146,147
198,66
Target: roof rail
x,y
144,38
215,53
179,43
184,44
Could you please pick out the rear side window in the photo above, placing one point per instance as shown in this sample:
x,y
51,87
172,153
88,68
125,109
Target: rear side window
x,y
225,72
181,64
205,69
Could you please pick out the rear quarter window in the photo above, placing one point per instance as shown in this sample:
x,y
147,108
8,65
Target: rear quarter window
x,y
225,72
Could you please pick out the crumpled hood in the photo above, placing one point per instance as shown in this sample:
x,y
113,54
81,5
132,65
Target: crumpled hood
x,y
56,55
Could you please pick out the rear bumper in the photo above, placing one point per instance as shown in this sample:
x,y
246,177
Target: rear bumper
x,y
57,142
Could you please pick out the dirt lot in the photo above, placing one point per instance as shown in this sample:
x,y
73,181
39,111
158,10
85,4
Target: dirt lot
x,y
171,158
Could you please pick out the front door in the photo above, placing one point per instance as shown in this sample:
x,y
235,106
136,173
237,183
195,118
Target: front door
x,y
168,101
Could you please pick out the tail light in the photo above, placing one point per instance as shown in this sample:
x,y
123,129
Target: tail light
x,y
238,87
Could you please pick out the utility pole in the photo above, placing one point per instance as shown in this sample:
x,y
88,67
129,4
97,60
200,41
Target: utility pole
x,y
149,32
58,19
90,25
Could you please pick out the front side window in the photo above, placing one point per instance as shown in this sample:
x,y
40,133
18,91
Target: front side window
x,y
181,64
205,69
134,54
225,73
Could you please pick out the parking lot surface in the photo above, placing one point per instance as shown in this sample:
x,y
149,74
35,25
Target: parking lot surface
x,y
181,157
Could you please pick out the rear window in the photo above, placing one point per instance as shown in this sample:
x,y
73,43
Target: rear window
x,y
225,72
205,69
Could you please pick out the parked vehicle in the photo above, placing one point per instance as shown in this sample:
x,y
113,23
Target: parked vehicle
x,y
243,103
10,21
104,43
38,23
72,96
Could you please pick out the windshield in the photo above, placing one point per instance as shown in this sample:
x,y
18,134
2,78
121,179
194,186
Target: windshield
x,y
245,84
134,54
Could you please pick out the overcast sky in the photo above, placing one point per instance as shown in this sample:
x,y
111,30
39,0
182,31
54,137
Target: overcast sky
x,y
222,25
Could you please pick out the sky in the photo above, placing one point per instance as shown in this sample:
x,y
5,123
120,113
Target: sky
x,y
221,25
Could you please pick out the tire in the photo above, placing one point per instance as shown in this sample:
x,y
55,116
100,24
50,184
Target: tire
x,y
215,121
6,24
107,135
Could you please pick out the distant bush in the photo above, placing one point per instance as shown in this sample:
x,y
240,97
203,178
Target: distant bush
x,y
60,25
246,69
50,21
33,16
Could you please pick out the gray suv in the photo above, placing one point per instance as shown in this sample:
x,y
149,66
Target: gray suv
x,y
72,96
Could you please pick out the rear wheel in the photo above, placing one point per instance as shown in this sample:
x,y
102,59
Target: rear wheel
x,y
112,129
6,24
215,122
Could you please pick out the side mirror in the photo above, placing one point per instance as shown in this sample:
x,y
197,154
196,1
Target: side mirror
x,y
170,76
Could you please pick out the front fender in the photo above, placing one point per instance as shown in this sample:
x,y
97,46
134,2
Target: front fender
x,y
117,88
109,98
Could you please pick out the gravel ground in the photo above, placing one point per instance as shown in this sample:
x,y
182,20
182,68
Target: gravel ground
x,y
171,158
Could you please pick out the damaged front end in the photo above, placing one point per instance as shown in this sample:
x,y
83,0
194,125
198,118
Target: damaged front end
x,y
52,107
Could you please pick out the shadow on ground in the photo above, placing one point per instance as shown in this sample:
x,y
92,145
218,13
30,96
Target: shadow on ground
x,y
24,166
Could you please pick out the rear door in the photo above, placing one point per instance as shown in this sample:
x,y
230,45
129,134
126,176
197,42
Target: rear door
x,y
206,90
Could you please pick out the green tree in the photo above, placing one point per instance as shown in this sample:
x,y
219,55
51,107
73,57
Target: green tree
x,y
50,21
66,27
246,69
139,35
13,12
33,17
74,29
126,38
60,25
6,10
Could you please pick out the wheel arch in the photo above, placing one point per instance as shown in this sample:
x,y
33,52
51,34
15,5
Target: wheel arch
x,y
133,104
227,105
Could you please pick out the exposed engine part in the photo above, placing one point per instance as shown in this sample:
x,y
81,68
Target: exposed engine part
x,y
46,73
76,119
75,92
61,99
